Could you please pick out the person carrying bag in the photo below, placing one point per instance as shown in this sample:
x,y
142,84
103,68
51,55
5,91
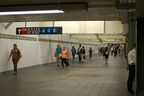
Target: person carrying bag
x,y
64,57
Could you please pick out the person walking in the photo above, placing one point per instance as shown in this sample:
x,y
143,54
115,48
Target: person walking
x,y
57,54
131,67
119,50
64,57
82,54
103,52
16,55
73,50
107,52
90,52
112,50
115,52
79,53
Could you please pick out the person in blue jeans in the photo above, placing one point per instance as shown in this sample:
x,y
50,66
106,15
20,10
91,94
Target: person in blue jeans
x,y
57,54
73,50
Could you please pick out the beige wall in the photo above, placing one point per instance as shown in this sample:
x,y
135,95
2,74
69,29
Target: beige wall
x,y
87,26
113,27
94,26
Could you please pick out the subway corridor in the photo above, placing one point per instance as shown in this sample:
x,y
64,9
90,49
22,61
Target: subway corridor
x,y
91,78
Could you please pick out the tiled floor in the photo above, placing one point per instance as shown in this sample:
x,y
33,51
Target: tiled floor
x,y
91,78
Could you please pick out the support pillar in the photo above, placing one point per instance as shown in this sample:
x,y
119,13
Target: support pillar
x,y
132,32
140,58
131,37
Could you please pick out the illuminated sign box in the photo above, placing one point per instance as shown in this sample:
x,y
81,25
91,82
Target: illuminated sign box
x,y
38,30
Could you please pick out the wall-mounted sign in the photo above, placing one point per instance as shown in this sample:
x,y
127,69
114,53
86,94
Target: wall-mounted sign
x,y
38,30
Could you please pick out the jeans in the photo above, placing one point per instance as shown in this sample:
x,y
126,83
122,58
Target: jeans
x,y
79,56
73,55
64,61
90,54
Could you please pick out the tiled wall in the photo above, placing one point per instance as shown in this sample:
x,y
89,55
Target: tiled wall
x,y
36,50
6,36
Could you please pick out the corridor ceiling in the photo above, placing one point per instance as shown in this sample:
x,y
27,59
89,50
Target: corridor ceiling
x,y
75,10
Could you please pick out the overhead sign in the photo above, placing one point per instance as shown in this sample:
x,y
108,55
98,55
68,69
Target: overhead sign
x,y
38,30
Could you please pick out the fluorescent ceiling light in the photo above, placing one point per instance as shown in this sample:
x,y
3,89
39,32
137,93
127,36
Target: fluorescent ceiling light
x,y
31,12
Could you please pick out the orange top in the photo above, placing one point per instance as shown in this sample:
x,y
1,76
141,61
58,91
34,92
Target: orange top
x,y
64,53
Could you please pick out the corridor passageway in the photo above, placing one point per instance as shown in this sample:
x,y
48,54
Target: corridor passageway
x,y
91,78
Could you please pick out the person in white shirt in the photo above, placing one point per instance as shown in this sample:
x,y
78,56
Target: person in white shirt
x,y
112,49
132,63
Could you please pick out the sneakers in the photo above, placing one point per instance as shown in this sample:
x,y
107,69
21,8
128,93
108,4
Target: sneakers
x,y
14,73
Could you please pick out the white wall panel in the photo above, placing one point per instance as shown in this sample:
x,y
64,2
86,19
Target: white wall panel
x,y
86,26
69,26
94,27
42,52
46,24
113,27
28,49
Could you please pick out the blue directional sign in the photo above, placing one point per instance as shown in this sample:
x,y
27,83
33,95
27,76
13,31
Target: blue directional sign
x,y
38,30
49,30
43,30
55,30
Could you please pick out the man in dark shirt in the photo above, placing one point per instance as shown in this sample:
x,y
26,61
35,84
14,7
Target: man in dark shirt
x,y
82,54
79,53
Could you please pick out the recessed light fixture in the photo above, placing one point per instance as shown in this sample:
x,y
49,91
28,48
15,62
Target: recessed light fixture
x,y
32,12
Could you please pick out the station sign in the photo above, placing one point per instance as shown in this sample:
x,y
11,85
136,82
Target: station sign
x,y
38,30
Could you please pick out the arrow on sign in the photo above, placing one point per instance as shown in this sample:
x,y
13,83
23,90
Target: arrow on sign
x,y
19,30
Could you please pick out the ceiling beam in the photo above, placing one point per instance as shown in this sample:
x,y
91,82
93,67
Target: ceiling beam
x,y
8,25
92,36
101,5
102,42
95,33
50,6
98,38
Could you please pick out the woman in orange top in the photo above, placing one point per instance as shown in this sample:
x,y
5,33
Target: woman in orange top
x,y
64,56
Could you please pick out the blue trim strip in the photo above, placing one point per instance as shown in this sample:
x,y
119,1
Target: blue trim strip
x,y
29,67
25,68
